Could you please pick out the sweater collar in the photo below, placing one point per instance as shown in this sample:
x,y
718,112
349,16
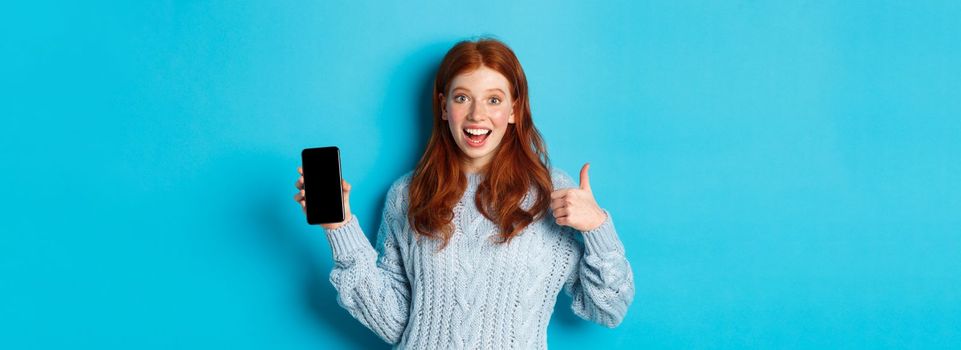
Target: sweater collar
x,y
474,180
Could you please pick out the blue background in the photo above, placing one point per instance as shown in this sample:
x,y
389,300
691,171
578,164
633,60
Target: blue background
x,y
783,175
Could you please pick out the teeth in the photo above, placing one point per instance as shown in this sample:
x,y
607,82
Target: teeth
x,y
477,131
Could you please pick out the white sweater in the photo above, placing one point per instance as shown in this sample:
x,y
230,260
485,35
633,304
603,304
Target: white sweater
x,y
475,293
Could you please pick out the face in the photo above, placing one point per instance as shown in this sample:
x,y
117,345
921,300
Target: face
x,y
478,108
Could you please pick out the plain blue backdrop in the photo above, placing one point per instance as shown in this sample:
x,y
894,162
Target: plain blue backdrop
x,y
783,174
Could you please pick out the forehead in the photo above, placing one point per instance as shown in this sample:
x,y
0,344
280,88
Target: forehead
x,y
480,79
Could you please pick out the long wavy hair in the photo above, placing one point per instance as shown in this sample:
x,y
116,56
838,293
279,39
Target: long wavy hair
x,y
520,161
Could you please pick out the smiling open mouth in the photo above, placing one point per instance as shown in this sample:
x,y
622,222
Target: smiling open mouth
x,y
476,137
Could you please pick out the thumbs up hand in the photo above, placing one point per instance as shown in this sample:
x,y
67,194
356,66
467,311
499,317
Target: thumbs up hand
x,y
576,207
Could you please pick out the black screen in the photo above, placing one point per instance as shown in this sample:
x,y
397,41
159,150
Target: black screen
x,y
322,185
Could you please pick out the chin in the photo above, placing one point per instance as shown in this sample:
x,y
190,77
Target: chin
x,y
475,152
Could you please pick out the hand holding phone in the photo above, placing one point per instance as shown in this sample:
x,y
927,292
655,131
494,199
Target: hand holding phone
x,y
329,204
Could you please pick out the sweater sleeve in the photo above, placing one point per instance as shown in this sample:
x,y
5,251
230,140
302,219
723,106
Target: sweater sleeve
x,y
602,285
372,284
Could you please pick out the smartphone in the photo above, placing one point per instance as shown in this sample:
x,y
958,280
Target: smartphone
x,y
322,185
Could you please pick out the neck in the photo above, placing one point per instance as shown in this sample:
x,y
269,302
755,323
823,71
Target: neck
x,y
475,165
473,180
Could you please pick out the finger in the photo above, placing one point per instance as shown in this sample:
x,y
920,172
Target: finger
x,y
346,186
560,213
559,193
300,183
558,203
585,179
561,221
300,170
298,197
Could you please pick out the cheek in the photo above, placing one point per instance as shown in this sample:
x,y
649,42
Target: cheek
x,y
500,118
455,117
452,124
456,112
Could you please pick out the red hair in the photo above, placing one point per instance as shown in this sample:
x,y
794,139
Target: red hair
x,y
520,162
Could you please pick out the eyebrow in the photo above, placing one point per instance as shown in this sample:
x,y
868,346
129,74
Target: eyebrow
x,y
465,89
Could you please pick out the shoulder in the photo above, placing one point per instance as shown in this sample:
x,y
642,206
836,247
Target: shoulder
x,y
396,202
561,179
398,189
402,182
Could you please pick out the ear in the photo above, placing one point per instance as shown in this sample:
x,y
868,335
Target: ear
x,y
510,119
443,106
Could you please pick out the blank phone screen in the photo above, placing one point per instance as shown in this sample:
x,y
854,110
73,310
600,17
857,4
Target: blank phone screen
x,y
322,185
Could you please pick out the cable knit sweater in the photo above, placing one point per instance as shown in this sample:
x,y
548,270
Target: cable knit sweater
x,y
475,293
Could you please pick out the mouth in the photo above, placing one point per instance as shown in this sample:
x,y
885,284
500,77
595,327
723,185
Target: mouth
x,y
476,137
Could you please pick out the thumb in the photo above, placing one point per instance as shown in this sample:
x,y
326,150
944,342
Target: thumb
x,y
585,179
346,186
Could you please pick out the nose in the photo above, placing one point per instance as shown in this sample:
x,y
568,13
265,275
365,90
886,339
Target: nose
x,y
477,112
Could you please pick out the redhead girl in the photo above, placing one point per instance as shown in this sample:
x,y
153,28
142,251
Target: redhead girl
x,y
476,243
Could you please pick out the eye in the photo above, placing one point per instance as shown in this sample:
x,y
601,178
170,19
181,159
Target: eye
x,y
460,98
495,100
